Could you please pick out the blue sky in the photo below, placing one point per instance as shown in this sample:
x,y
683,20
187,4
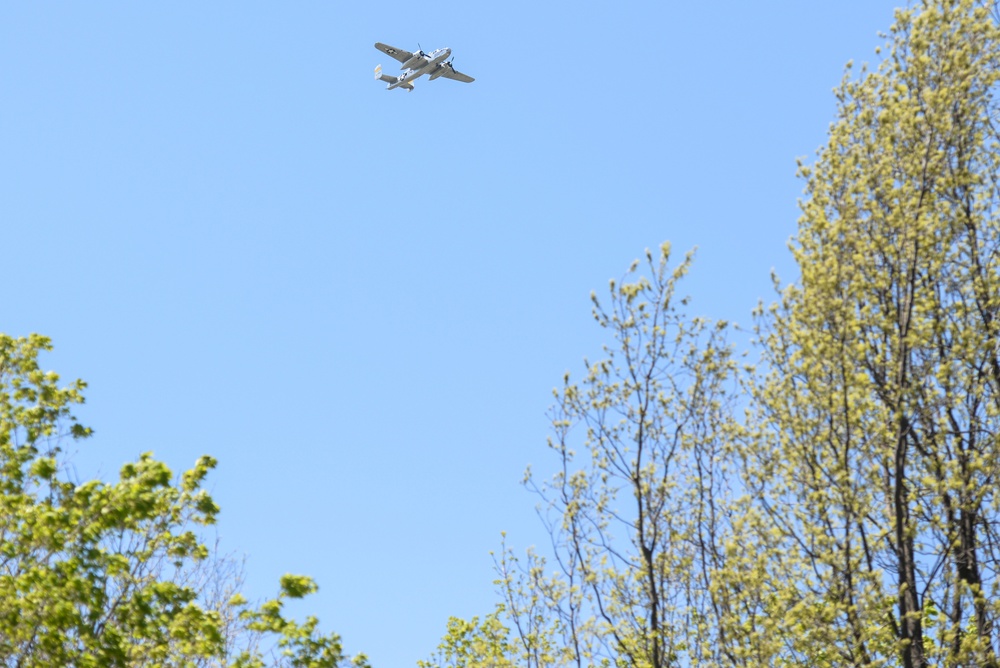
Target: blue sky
x,y
359,300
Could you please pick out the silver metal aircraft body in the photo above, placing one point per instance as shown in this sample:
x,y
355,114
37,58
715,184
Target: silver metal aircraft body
x,y
418,64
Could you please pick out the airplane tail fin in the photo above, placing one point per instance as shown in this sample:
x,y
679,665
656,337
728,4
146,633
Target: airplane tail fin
x,y
384,77
391,79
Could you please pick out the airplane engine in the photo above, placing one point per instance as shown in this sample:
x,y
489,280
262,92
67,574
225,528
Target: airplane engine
x,y
416,61
441,69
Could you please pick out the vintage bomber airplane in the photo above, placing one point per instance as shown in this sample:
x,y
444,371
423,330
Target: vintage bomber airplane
x,y
418,64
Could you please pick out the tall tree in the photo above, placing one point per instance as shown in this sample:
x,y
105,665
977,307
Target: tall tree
x,y
878,459
636,510
116,574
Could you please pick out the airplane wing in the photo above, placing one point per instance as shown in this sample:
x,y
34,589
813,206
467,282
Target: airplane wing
x,y
452,73
399,54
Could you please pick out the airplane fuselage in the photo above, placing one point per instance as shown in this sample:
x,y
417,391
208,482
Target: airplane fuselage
x,y
423,65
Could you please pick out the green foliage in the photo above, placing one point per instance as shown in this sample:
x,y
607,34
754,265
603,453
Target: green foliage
x,y
300,645
116,574
475,644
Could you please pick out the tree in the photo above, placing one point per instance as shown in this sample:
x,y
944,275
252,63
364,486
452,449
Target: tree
x,y
883,400
852,517
637,508
116,574
475,644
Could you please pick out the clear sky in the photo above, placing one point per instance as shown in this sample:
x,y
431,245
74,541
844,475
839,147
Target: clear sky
x,y
359,300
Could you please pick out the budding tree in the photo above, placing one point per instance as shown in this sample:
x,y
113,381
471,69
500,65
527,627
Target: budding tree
x,y
879,447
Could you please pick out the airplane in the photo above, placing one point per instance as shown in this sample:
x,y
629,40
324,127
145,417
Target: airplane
x,y
416,65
